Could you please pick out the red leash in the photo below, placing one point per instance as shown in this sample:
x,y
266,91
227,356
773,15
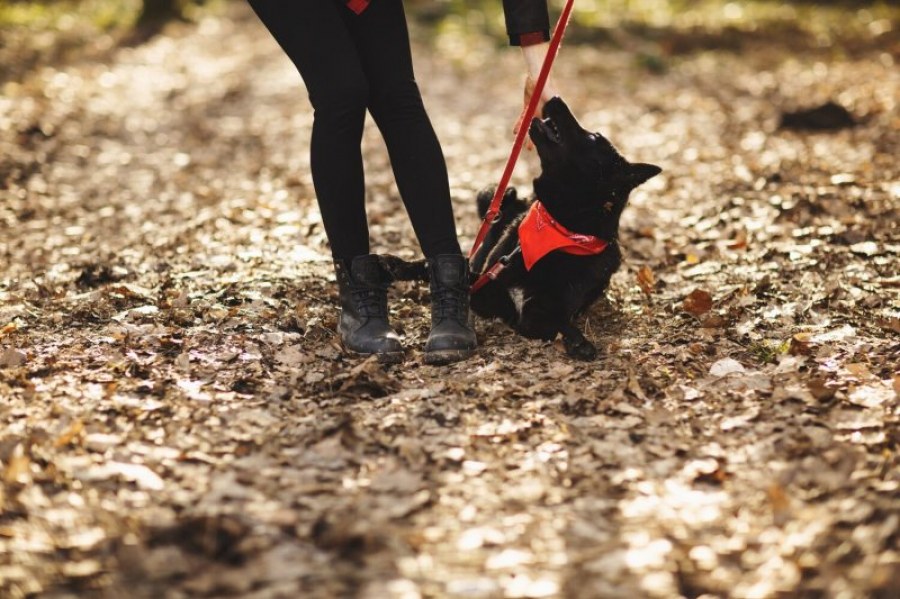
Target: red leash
x,y
493,213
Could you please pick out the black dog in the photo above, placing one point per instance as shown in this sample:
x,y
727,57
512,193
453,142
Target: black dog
x,y
561,250
583,187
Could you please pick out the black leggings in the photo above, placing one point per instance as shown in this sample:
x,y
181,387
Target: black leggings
x,y
351,63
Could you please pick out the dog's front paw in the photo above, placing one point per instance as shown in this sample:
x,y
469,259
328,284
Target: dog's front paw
x,y
581,349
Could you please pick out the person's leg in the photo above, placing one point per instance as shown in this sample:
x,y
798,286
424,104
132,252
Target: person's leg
x,y
382,39
421,173
317,41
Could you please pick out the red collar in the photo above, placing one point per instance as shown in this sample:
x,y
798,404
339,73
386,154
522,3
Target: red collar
x,y
540,234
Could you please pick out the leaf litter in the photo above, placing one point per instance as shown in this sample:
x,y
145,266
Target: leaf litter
x,y
179,420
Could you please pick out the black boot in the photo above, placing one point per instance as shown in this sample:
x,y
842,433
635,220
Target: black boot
x,y
452,337
363,325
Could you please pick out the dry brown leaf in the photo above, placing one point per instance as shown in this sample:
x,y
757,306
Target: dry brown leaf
x,y
740,240
714,321
646,280
800,344
698,302
820,388
860,371
12,357
72,433
779,502
18,468
580,466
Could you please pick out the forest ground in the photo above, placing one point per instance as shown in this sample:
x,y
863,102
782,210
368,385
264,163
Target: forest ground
x,y
178,419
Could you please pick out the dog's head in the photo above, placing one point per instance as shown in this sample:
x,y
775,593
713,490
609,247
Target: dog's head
x,y
582,175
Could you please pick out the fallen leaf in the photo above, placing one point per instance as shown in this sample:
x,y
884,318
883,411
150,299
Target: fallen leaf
x,y
780,503
800,345
82,569
844,333
740,420
698,302
870,396
473,467
857,420
397,480
708,471
100,442
646,280
689,393
820,389
843,179
136,473
183,362
865,248
18,468
859,371
726,366
740,240
714,321
12,357
70,434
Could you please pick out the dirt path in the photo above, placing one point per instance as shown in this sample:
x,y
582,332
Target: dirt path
x,y
177,419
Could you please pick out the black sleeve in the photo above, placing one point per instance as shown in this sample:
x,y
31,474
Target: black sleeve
x,y
527,21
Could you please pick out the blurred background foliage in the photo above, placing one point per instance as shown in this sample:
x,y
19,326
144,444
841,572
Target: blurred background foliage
x,y
35,32
484,13
104,14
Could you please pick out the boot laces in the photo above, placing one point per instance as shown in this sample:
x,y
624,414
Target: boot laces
x,y
449,302
371,303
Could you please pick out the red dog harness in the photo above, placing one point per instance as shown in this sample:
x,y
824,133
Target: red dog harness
x,y
540,234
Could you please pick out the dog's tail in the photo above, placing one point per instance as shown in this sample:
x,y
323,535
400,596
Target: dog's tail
x,y
485,196
398,269
511,206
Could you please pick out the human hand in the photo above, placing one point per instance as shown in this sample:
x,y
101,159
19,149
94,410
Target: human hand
x,y
525,119
534,60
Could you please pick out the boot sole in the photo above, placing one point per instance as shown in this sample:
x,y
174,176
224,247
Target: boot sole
x,y
383,357
442,357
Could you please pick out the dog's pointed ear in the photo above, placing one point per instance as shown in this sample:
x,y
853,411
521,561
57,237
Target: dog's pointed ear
x,y
640,172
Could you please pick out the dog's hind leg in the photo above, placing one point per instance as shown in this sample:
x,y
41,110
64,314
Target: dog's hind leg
x,y
493,301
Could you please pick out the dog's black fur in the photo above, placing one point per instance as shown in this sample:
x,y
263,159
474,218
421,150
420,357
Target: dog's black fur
x,y
584,184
